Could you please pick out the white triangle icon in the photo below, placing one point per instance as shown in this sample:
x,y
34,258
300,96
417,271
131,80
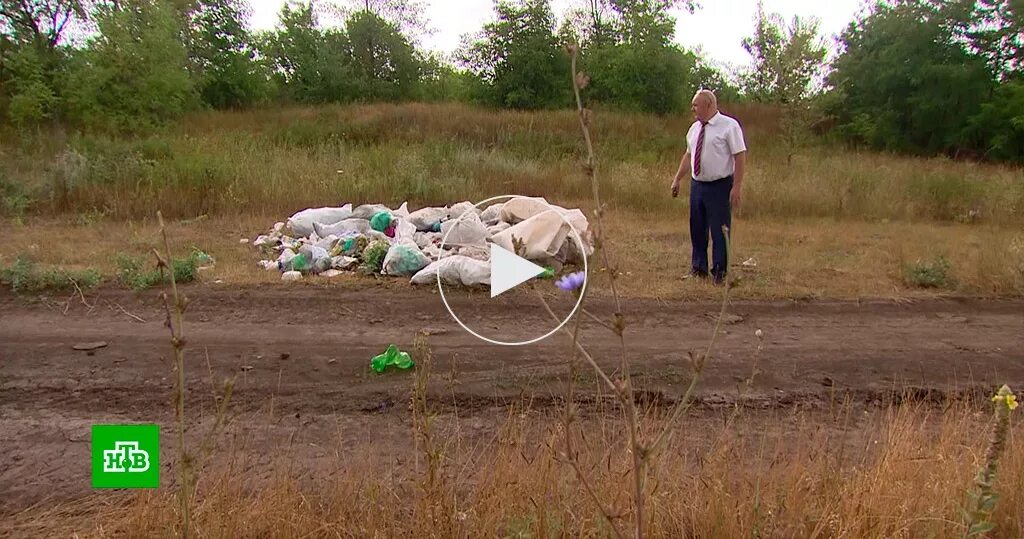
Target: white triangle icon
x,y
509,271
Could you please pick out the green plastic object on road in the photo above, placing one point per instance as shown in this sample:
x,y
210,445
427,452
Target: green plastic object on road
x,y
393,356
549,273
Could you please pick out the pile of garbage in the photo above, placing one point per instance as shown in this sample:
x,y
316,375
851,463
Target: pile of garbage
x,y
374,239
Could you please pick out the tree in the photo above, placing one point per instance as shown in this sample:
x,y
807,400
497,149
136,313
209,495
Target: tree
x,y
628,51
310,65
905,82
408,17
518,57
32,57
384,64
786,60
39,22
133,74
222,50
995,28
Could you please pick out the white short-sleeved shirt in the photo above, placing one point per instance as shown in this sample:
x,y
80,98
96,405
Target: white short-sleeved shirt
x,y
723,139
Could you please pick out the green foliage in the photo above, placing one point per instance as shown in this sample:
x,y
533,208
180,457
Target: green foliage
x,y
907,82
631,60
15,200
223,52
25,276
657,79
519,59
134,273
309,65
373,257
384,64
32,98
786,59
133,75
936,273
998,128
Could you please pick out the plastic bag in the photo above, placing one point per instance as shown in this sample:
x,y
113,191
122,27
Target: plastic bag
x,y
522,208
455,270
366,211
404,259
424,219
343,262
343,228
381,221
302,222
492,214
542,235
402,211
404,230
392,356
469,230
494,229
457,210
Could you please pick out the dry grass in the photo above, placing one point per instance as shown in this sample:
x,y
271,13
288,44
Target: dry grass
x,y
274,162
805,258
901,472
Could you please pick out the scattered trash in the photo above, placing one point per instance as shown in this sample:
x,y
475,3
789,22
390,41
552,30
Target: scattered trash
x,y
750,263
392,356
87,346
243,241
375,239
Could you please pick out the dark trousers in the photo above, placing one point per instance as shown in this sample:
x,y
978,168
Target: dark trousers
x,y
709,212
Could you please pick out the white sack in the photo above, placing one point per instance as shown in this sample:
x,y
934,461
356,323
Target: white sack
x,y
302,222
469,230
455,270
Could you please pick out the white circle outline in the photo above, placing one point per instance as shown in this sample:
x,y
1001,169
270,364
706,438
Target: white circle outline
x,y
579,299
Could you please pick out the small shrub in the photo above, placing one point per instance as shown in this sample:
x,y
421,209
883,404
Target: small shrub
x,y
936,273
134,273
373,257
25,276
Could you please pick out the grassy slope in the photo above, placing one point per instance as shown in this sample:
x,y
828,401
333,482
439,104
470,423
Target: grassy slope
x,y
831,223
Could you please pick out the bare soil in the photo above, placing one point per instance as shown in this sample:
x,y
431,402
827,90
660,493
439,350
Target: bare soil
x,y
301,356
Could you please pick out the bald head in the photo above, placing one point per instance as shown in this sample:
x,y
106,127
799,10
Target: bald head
x,y
704,105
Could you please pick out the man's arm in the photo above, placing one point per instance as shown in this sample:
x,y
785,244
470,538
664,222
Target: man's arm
x,y
737,179
684,170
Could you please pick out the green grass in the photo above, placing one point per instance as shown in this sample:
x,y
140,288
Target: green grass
x,y
26,276
134,273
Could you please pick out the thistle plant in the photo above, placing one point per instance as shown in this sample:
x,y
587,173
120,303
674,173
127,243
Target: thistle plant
x,y
981,501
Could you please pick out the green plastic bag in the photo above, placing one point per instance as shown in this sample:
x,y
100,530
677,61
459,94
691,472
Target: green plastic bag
x,y
393,356
300,263
380,221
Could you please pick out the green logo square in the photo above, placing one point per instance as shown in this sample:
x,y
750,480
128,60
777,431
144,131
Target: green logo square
x,y
125,456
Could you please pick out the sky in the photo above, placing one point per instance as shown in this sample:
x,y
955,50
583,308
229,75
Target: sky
x,y
716,28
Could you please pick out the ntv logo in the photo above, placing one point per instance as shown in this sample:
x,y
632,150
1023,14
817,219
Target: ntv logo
x,y
125,457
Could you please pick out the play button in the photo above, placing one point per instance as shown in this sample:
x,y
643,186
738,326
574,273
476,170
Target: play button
x,y
506,243
509,271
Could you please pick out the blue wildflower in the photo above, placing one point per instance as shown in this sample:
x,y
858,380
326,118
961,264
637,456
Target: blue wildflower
x,y
573,281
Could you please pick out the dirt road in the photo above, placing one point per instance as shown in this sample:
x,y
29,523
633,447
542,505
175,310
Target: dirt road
x,y
302,359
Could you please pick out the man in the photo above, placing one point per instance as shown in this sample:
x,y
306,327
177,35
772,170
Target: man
x,y
716,156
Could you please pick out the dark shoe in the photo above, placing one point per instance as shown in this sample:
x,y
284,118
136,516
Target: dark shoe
x,y
720,280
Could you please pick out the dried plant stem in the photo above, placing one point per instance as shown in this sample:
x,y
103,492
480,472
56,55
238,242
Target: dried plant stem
x,y
175,317
624,388
698,364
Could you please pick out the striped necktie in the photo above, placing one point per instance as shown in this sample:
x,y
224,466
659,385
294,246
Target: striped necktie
x,y
699,150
